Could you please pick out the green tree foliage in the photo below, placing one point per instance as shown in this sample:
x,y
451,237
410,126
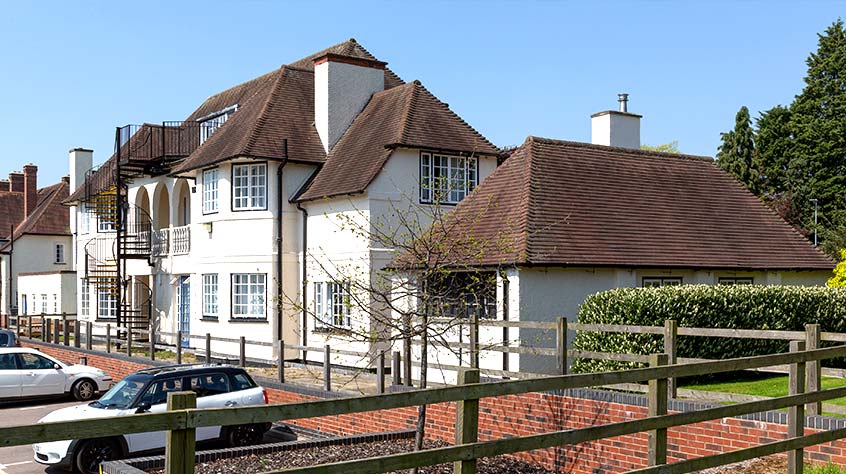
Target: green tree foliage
x,y
737,152
797,154
671,147
839,278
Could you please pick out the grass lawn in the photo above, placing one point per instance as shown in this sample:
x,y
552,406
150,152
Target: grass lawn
x,y
763,385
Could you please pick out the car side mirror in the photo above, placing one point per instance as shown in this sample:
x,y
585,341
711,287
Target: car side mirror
x,y
57,366
143,408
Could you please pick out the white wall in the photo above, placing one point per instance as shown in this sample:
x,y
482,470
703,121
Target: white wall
x,y
31,254
59,287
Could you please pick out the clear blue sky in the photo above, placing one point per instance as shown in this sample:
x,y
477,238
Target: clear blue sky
x,y
72,71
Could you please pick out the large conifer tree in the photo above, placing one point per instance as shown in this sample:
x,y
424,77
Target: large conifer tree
x,y
737,152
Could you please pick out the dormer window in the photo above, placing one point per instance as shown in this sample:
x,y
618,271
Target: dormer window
x,y
446,179
210,123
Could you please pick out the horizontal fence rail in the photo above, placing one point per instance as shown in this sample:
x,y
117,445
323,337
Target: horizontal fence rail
x,y
180,420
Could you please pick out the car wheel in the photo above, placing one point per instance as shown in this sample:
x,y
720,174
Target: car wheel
x,y
84,390
92,452
243,435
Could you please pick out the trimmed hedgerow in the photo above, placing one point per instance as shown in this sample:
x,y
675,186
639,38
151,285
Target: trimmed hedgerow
x,y
705,306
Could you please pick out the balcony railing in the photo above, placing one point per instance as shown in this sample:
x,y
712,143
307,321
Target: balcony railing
x,y
172,241
180,240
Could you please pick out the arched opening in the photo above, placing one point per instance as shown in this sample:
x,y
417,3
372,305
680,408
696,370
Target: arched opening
x,y
142,200
182,203
161,202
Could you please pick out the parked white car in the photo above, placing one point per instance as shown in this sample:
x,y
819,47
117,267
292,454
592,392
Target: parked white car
x,y
28,373
146,391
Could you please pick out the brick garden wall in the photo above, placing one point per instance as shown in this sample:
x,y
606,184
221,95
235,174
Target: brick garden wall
x,y
534,413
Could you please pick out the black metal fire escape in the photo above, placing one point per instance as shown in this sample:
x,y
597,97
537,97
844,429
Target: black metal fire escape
x,y
140,150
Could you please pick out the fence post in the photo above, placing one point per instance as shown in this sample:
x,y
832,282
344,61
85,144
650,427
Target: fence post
x,y
28,326
380,373
129,342
77,334
474,341
396,361
658,406
327,369
208,348
89,342
242,352
56,331
280,361
796,413
466,421
65,329
178,347
179,450
813,337
561,344
151,335
671,334
108,337
46,329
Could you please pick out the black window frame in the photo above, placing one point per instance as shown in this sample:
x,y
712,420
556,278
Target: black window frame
x,y
664,280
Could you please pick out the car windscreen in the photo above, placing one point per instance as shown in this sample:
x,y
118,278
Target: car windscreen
x,y
122,394
4,339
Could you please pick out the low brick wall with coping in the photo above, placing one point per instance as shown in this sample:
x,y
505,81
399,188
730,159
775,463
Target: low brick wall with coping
x,y
534,413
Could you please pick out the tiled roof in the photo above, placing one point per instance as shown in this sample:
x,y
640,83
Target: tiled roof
x,y
407,115
50,217
272,107
575,204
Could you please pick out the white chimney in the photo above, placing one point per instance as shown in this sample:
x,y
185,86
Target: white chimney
x,y
81,160
342,87
616,127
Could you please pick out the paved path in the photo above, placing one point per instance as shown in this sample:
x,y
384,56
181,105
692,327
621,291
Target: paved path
x,y
18,459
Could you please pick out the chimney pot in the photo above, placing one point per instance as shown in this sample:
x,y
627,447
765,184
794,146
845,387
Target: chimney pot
x,y
30,172
623,99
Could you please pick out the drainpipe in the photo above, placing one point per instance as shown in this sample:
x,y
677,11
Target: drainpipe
x,y
279,204
11,272
304,279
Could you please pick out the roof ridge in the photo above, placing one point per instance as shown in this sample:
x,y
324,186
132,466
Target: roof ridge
x,y
262,117
636,151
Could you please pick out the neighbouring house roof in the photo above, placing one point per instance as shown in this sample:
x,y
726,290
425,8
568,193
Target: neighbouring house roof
x,y
558,203
50,217
404,116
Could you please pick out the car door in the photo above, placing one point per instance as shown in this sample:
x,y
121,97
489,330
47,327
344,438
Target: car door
x,y
212,391
10,376
155,396
39,376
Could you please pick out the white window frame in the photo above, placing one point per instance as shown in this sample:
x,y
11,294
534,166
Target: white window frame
x,y
249,296
104,226
211,123
735,281
210,191
447,179
106,305
210,295
43,303
321,318
60,254
55,303
84,219
332,305
651,282
249,186
84,299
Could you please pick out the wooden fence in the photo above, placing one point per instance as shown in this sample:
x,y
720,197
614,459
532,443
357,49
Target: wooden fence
x,y
62,328
183,418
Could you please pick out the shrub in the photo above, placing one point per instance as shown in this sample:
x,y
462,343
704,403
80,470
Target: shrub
x,y
839,278
705,306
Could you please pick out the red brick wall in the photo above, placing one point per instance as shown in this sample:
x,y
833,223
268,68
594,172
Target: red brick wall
x,y
533,413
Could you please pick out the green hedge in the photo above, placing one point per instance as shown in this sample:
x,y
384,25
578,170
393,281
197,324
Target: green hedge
x,y
705,306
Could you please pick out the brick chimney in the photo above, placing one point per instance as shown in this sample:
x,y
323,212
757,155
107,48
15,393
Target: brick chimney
x,y
16,182
4,185
30,176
